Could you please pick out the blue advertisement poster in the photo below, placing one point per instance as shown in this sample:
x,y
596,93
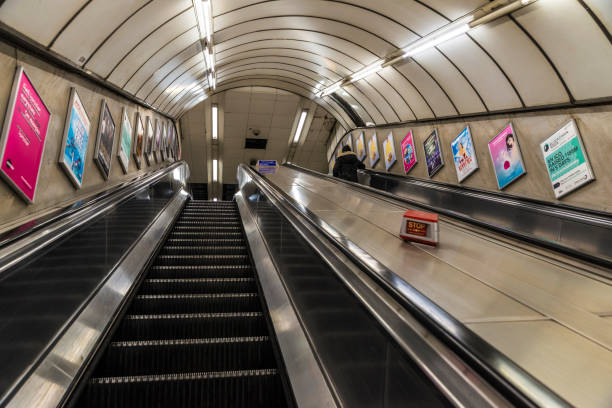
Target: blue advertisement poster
x,y
433,153
76,137
464,154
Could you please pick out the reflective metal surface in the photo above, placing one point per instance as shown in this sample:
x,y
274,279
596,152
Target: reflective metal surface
x,y
54,376
41,295
310,388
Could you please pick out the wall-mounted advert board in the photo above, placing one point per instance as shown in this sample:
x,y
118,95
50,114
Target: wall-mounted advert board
x,y
156,148
106,140
373,150
349,142
169,138
389,151
23,137
76,138
339,149
149,142
566,160
125,142
138,140
409,157
506,157
433,153
332,163
360,151
464,154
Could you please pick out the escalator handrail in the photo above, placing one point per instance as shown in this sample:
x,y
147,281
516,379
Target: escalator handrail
x,y
26,244
566,213
511,380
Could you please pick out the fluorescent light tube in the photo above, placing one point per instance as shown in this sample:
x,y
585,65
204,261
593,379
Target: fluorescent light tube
x,y
436,38
331,89
300,126
366,71
207,19
215,123
214,169
197,5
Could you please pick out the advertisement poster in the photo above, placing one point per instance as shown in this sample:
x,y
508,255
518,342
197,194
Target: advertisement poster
x,y
106,140
76,138
339,149
162,149
389,151
125,145
506,157
156,146
149,142
138,140
332,163
349,142
464,154
360,151
408,147
566,160
373,150
23,137
169,140
433,153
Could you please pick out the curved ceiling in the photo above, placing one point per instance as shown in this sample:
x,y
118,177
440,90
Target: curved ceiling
x,y
152,49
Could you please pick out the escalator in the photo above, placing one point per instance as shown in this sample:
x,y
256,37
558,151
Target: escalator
x,y
195,333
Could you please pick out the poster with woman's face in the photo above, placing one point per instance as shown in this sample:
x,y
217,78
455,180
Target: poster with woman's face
x,y
373,150
138,140
106,138
360,151
506,157
464,155
389,151
433,153
408,152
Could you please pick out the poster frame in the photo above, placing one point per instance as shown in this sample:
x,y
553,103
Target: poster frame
x,y
436,136
392,141
97,151
516,138
125,165
349,142
162,146
135,155
10,110
361,138
474,155
74,95
375,140
416,158
573,123
156,141
148,151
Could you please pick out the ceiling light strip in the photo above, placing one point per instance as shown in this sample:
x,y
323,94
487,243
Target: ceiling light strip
x,y
300,126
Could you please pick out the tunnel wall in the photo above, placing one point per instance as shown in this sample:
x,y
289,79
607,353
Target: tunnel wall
x,y
594,124
55,190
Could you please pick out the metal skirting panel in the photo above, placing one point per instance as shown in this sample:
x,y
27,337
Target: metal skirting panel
x,y
477,278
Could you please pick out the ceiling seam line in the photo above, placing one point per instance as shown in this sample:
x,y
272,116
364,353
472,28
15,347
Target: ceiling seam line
x,y
338,113
418,91
172,104
546,56
155,53
398,92
365,80
65,26
170,72
219,71
277,70
197,76
500,68
597,20
354,85
466,79
359,103
114,31
282,56
178,78
179,75
437,83
272,77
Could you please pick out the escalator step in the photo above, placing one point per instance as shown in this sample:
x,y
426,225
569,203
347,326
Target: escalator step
x,y
188,355
202,260
208,271
198,285
202,242
205,235
203,250
206,228
191,325
196,303
245,388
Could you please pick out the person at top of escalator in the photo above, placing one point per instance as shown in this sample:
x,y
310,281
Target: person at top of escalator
x,y
347,164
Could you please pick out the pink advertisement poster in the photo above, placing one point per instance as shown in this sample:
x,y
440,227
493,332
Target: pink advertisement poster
x,y
408,152
23,137
506,157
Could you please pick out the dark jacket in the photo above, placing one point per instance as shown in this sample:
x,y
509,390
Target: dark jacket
x,y
346,166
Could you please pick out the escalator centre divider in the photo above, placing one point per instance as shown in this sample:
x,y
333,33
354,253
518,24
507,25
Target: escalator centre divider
x,y
195,333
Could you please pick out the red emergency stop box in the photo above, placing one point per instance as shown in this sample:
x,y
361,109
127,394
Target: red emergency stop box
x,y
419,226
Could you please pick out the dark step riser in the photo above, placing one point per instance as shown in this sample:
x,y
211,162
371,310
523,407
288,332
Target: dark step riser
x,y
211,305
198,250
158,288
161,272
192,260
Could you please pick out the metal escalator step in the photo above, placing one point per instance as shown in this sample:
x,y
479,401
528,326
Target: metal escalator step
x,y
208,221
203,242
196,303
198,285
191,325
207,271
244,388
205,234
202,260
203,250
130,358
207,228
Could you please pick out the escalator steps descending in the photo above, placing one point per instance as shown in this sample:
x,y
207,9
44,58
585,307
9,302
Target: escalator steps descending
x,y
195,334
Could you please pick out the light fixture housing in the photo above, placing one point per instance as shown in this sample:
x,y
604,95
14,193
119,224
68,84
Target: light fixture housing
x,y
436,38
300,126
367,71
215,163
215,121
